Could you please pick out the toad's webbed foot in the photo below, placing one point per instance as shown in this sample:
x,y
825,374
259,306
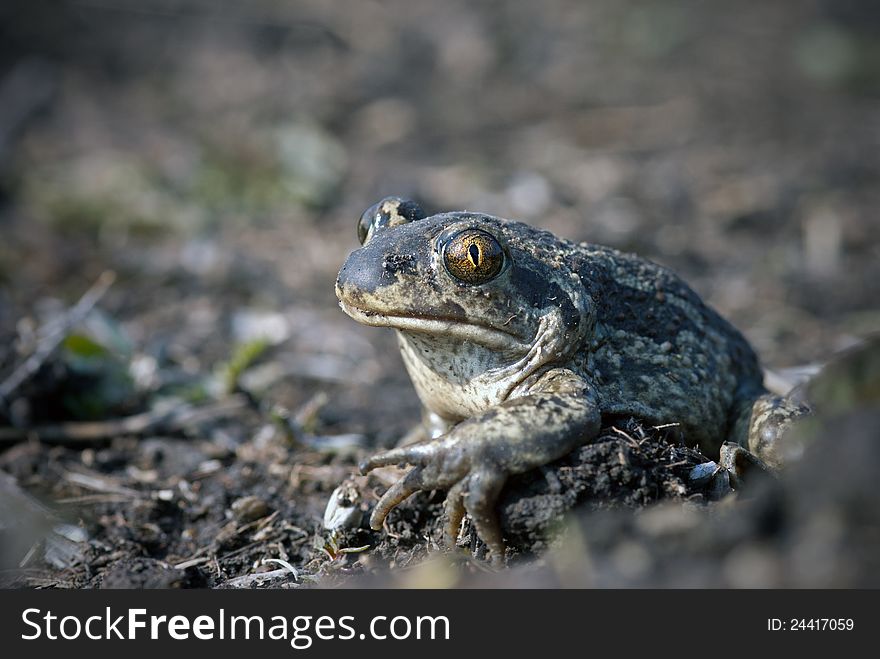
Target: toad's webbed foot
x,y
474,459
475,492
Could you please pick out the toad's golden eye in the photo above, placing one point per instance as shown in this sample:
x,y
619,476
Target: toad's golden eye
x,y
473,256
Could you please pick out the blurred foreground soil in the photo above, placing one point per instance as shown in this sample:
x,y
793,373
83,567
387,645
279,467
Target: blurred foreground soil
x,y
214,157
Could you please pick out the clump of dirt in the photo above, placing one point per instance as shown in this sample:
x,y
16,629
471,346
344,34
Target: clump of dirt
x,y
628,467
632,468
149,573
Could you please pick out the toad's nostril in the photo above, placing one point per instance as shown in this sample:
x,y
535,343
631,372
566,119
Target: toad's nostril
x,y
400,264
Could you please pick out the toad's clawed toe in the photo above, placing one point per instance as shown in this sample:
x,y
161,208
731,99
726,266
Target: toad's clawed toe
x,y
483,488
409,484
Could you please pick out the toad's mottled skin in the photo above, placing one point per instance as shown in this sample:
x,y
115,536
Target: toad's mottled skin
x,y
524,345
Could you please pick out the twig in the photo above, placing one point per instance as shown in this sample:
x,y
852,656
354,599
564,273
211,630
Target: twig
x,y
284,564
90,431
93,498
680,463
250,580
99,483
192,562
353,550
632,440
53,339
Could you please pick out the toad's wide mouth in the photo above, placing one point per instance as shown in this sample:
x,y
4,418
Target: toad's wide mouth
x,y
485,335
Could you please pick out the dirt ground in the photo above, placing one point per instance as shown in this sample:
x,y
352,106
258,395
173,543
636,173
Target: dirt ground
x,y
180,182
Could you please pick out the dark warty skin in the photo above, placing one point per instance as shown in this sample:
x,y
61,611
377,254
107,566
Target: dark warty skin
x,y
520,344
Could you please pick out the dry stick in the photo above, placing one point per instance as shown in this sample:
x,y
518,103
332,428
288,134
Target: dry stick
x,y
251,580
90,431
50,342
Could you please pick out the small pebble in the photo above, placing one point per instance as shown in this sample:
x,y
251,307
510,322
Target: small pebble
x,y
248,509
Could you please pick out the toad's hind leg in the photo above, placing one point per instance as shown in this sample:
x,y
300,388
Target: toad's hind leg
x,y
769,417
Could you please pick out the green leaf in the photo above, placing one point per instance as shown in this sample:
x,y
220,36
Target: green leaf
x,y
84,347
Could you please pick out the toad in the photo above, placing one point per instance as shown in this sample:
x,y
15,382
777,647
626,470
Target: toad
x,y
521,345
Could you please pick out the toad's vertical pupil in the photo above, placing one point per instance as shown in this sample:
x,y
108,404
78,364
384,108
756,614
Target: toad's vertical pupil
x,y
472,256
474,253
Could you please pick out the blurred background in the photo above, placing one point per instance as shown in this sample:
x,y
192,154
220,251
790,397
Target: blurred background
x,y
216,155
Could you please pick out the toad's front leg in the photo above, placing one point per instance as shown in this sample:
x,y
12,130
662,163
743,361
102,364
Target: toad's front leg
x,y
473,460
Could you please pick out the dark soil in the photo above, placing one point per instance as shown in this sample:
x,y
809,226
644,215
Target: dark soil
x,y
216,159
178,513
